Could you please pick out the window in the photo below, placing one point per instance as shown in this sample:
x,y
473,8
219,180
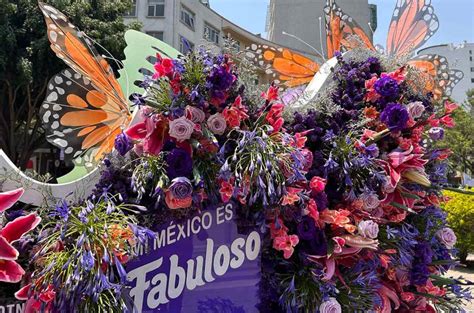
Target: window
x,y
472,69
185,45
472,80
157,35
187,17
133,10
156,8
470,59
211,34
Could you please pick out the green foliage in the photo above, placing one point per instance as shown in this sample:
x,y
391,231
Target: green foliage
x,y
461,141
460,209
27,62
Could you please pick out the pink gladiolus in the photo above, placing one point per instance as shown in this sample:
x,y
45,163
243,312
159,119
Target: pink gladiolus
x,y
388,295
9,198
371,95
450,107
286,243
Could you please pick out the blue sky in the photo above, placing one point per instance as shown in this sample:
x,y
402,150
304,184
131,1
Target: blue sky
x,y
456,18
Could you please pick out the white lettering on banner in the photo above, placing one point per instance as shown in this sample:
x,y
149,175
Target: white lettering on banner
x,y
176,232
12,308
198,271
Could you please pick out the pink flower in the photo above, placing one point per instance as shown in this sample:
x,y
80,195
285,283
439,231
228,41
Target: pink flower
x,y
163,67
217,124
447,121
236,113
152,133
312,209
181,129
10,271
226,191
291,196
271,94
286,243
447,237
450,107
398,75
370,201
194,114
317,184
371,95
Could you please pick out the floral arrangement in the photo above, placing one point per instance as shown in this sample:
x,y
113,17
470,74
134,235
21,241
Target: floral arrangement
x,y
347,192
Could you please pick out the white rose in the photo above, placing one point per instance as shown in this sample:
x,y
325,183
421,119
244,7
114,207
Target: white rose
x,y
416,109
217,124
330,306
181,129
368,229
447,237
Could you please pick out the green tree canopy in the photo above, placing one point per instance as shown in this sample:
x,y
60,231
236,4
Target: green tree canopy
x,y
27,62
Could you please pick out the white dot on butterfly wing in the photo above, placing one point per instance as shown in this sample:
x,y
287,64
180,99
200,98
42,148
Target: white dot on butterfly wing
x,y
46,116
68,73
60,90
68,130
53,96
69,150
55,116
69,83
55,125
253,46
45,106
60,142
53,35
58,79
77,75
56,107
50,86
58,134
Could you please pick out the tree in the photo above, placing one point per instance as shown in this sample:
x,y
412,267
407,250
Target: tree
x,y
460,209
27,62
461,141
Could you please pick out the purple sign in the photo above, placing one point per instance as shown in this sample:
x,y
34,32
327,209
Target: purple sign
x,y
200,265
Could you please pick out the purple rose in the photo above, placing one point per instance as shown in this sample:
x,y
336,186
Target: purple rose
x,y
436,133
179,163
395,116
387,87
447,237
194,114
181,129
181,188
370,201
123,144
217,124
330,306
416,109
368,229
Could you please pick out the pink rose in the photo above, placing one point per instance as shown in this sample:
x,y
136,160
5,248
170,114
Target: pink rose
x,y
181,129
317,184
368,229
194,114
330,306
217,124
416,109
370,201
447,237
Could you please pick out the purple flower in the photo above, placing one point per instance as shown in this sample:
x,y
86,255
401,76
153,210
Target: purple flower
x,y
436,133
387,87
179,163
181,188
123,144
395,116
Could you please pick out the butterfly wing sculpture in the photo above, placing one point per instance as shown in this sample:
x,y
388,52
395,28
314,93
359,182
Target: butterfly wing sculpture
x,y
284,67
85,107
413,23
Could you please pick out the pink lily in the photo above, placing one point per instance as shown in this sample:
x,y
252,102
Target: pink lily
x,y
10,271
388,294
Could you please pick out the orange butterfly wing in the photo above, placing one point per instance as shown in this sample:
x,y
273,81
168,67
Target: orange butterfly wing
x,y
339,29
413,23
435,72
283,65
84,110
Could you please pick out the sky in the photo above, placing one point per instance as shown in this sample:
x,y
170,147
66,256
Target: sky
x,y
456,18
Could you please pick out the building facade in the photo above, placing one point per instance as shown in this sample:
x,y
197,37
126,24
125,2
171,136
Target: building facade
x,y
460,57
305,20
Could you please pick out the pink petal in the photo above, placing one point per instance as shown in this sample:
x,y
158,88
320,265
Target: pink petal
x,y
22,294
7,251
7,199
137,131
10,271
330,269
20,226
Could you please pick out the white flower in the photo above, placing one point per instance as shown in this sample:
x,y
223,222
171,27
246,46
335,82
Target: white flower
x,y
194,114
416,109
181,129
368,229
447,237
330,306
217,124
